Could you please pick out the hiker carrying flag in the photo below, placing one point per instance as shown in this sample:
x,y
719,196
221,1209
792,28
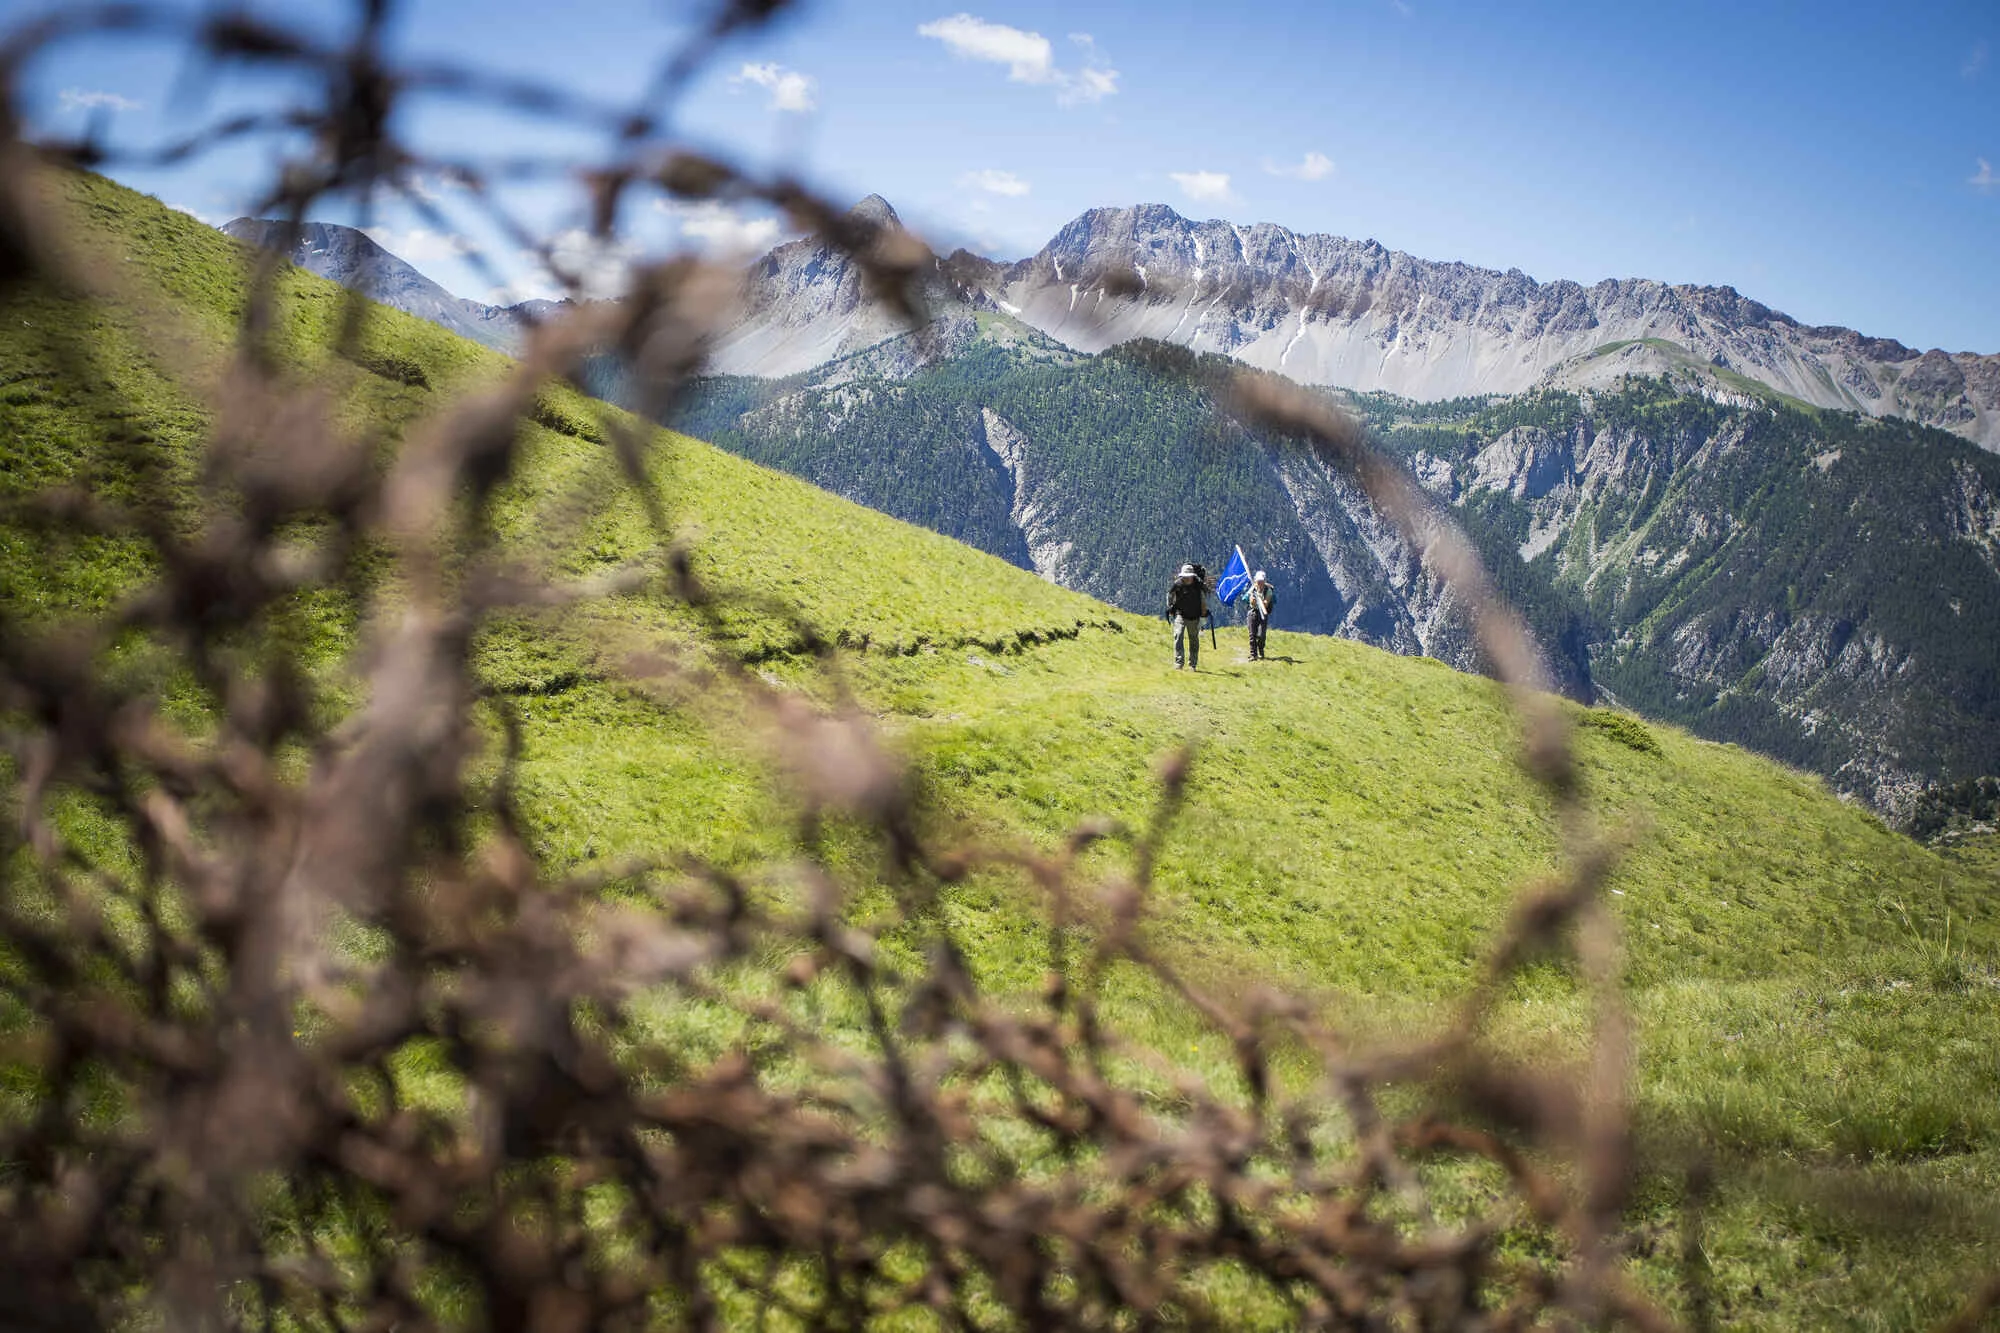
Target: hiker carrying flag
x,y
1235,579
1234,583
1262,597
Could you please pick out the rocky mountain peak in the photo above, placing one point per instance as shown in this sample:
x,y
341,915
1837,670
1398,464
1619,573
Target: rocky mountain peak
x,y
352,258
876,211
347,249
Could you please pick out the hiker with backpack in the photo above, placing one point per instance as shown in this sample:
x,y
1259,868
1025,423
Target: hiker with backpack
x,y
1187,605
1262,597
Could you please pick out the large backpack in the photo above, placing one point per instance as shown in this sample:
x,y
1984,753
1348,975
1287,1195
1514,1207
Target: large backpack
x,y
1178,592
1207,587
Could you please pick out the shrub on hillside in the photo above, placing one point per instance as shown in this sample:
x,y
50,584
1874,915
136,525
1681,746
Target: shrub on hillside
x,y
1624,728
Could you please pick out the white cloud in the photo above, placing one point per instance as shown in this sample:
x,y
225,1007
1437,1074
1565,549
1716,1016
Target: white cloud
x,y
995,182
1028,56
419,245
790,90
1983,179
78,99
207,219
432,186
604,267
1092,84
1312,167
1207,186
600,266
719,230
1975,63
538,288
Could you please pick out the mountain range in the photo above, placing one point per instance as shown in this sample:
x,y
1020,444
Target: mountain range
x,y
1325,310
1698,520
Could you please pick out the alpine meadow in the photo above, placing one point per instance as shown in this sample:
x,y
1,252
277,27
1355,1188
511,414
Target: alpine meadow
x,y
477,857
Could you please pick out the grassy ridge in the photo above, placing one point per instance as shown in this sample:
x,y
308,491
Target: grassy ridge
x,y
1357,823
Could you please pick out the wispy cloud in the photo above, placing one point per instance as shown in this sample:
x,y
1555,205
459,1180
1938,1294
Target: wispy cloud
x,y
81,99
432,186
1093,84
420,245
1028,56
600,266
208,219
1312,167
995,182
1206,186
1975,60
721,231
1095,81
1983,179
527,289
790,90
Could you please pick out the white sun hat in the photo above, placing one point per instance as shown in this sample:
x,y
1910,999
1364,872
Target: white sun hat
x,y
1258,577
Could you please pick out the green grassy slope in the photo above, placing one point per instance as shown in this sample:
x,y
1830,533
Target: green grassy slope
x,y
1357,823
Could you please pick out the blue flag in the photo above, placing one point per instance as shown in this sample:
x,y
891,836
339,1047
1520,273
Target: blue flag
x,y
1234,580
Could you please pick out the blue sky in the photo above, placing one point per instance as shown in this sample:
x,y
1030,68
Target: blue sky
x,y
1840,162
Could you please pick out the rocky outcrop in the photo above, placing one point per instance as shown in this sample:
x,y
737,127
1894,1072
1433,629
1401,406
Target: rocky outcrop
x,y
1038,510
1525,463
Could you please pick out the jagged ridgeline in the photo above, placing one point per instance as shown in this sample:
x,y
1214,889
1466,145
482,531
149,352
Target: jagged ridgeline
x,y
1356,825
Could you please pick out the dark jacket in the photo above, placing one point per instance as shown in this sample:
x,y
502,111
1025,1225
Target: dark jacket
x,y
1184,599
